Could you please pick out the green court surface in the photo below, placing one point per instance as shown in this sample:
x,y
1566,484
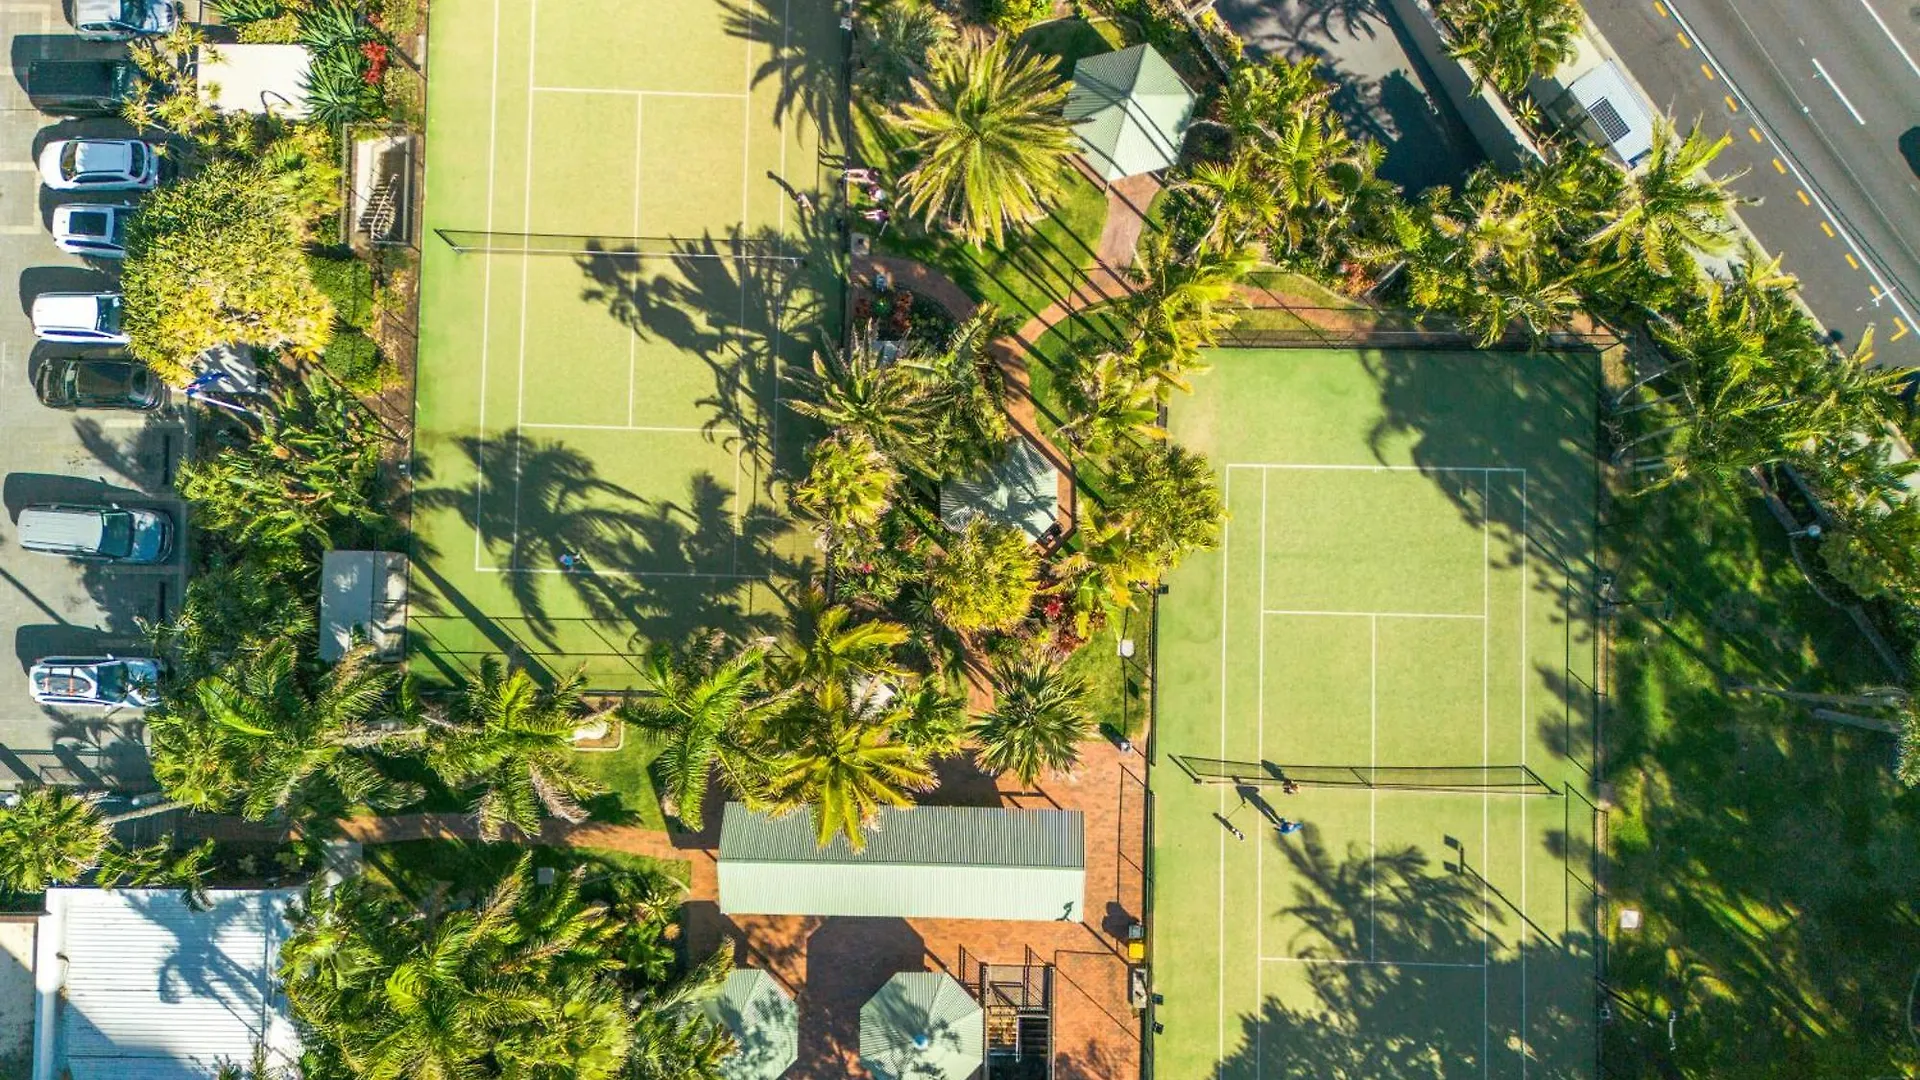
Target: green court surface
x,y
598,427
1404,582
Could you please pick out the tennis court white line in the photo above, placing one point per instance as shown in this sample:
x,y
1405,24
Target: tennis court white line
x,y
486,281
1486,742
637,93
1369,963
1220,798
1526,542
1373,614
1260,745
639,164
619,573
634,427
526,265
1373,797
1379,468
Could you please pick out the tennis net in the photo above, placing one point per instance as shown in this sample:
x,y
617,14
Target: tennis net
x,y
1509,779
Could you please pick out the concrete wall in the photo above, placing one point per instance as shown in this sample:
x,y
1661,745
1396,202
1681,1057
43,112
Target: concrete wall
x,y
1500,137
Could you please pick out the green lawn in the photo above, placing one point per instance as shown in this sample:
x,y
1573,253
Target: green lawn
x,y
1119,688
630,794
1403,584
417,869
1773,856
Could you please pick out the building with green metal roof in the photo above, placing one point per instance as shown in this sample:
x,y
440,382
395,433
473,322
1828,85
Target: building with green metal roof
x,y
1021,489
922,862
1129,111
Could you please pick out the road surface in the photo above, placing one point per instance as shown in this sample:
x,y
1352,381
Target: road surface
x,y
1822,98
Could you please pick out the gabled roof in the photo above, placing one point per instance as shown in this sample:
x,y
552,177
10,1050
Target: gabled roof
x,y
961,862
134,985
1129,111
1022,489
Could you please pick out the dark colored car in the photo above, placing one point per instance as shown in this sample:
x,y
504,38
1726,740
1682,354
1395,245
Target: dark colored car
x,y
98,383
82,87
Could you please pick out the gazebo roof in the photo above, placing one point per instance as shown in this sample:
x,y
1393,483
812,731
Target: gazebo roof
x,y
922,1026
1022,489
1129,111
764,1022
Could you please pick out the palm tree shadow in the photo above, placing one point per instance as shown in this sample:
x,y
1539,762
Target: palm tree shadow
x,y
806,53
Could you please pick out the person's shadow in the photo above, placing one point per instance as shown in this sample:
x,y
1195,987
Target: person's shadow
x,y
1910,148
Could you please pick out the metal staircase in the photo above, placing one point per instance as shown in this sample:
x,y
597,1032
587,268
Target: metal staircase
x,y
1018,1000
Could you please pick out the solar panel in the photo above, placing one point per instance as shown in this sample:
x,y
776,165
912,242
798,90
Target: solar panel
x,y
1609,120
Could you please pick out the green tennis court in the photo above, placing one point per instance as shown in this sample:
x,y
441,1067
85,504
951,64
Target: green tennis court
x,y
616,266
1399,620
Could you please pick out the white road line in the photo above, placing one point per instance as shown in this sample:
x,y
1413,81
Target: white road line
x,y
1375,614
1915,68
1837,92
635,93
1220,797
1806,182
1369,963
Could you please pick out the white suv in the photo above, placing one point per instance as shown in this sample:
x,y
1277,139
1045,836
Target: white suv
x,y
118,20
78,318
99,165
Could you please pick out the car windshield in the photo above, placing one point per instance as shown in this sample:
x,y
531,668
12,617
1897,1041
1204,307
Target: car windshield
x,y
110,314
116,534
91,223
132,12
112,679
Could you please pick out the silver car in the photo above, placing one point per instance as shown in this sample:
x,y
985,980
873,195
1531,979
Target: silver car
x,y
103,681
99,165
98,231
118,20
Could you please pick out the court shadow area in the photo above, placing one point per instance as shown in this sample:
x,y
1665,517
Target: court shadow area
x,y
805,54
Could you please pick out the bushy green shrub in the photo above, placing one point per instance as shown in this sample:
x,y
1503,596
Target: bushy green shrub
x,y
1014,16
354,359
348,282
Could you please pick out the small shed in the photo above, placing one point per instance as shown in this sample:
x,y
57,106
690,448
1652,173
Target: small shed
x,y
1608,112
256,79
133,983
1022,489
1129,110
364,593
922,862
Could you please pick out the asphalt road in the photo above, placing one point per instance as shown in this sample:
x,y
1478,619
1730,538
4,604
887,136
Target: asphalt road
x,y
1822,98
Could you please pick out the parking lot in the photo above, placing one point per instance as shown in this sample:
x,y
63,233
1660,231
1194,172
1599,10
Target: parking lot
x,y
48,604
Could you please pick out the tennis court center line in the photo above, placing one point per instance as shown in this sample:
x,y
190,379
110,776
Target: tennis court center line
x,y
1486,707
1375,614
1373,797
526,265
1526,841
1260,746
636,93
639,165
1220,797
486,281
588,572
1382,468
724,431
1336,962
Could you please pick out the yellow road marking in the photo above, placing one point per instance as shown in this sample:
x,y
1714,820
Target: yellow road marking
x,y
1851,261
1876,291
1707,71
1779,168
1732,105
1661,8
1828,229
1684,43
1804,201
1901,332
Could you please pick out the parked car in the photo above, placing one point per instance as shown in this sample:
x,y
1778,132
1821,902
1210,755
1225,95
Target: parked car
x,y
110,382
82,87
118,20
108,681
95,229
110,533
78,318
99,165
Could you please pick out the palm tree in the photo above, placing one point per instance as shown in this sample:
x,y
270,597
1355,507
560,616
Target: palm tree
x,y
1300,164
514,740
51,836
824,643
1039,718
896,37
966,390
985,578
1259,96
1512,41
861,393
849,484
987,135
843,767
702,714
672,1038
929,717
1108,403
1177,306
293,745
1669,209
1245,204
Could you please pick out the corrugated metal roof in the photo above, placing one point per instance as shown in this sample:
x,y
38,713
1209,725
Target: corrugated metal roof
x,y
153,990
1129,110
1022,489
978,836
764,1022
922,1026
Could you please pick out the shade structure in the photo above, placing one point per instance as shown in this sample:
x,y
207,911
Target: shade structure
x,y
922,1026
764,1022
1020,489
1129,111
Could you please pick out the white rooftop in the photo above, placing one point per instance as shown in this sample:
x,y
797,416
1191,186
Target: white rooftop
x,y
134,985
254,78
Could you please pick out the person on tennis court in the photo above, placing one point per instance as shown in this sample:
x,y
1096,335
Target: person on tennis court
x,y
568,561
1288,827
1289,787
860,176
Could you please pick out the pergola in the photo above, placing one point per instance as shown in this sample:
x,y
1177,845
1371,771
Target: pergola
x,y
1129,111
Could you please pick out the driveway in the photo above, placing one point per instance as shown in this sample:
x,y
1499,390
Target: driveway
x,y
1383,89
51,605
